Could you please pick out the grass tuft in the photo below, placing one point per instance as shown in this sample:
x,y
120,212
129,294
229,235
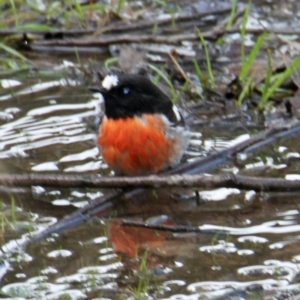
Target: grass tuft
x,y
144,279
279,80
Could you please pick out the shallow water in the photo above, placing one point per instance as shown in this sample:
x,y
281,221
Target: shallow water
x,y
46,129
45,126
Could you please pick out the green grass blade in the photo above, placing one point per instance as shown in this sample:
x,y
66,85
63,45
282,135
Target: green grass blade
x,y
244,31
232,13
245,91
208,64
77,56
281,79
35,27
201,77
111,60
12,3
198,70
120,6
13,210
167,80
268,76
13,52
246,65
79,10
162,3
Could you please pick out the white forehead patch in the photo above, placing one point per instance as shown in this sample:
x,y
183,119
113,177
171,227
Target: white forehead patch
x,y
110,81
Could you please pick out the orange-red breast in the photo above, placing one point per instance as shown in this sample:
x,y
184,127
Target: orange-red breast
x,y
142,131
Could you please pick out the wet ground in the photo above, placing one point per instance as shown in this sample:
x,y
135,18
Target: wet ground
x,y
46,127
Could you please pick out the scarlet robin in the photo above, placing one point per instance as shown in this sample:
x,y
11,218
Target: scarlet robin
x,y
139,133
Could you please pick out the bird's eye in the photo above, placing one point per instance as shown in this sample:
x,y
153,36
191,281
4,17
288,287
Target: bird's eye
x,y
126,90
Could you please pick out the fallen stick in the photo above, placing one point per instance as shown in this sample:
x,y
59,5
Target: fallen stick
x,y
106,40
152,181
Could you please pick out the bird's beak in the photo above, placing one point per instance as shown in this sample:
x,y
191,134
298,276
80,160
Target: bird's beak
x,y
97,89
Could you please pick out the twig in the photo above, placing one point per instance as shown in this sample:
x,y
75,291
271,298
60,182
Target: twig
x,y
209,162
152,181
294,130
172,55
172,228
106,40
66,32
115,39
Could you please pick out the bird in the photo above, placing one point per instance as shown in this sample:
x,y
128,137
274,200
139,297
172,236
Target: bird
x,y
141,132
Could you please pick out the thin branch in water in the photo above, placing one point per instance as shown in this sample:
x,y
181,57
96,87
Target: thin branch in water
x,y
152,181
172,228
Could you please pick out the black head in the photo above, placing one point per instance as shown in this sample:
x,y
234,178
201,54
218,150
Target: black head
x,y
128,95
